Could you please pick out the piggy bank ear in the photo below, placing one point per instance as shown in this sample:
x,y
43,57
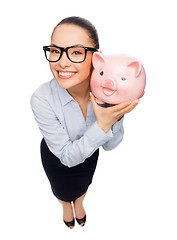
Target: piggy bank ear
x,y
137,67
98,59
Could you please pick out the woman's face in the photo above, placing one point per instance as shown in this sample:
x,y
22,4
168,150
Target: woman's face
x,y
71,75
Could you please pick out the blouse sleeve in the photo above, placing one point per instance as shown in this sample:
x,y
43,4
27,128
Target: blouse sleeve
x,y
118,133
70,153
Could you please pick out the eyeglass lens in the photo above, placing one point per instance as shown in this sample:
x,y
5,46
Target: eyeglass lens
x,y
75,54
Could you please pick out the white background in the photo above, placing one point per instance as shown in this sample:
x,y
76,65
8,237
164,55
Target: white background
x,y
134,191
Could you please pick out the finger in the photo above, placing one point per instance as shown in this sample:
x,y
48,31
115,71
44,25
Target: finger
x,y
130,107
121,106
142,94
92,97
93,101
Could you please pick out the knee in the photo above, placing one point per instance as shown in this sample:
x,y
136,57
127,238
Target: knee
x,y
63,203
80,199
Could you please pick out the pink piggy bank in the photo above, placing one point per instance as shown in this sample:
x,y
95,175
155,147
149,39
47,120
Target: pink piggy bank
x,y
117,78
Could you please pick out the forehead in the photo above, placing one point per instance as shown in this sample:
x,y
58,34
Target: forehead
x,y
69,34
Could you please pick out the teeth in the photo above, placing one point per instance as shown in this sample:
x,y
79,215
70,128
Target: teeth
x,y
65,74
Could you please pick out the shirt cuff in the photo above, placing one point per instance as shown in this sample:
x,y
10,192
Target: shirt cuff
x,y
96,136
109,133
116,127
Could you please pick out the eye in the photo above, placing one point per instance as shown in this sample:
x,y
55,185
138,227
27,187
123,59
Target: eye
x,y
76,53
53,50
123,78
101,72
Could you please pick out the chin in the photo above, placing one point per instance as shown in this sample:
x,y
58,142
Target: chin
x,y
63,84
66,84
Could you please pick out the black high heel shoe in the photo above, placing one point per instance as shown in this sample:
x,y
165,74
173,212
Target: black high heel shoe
x,y
70,224
82,220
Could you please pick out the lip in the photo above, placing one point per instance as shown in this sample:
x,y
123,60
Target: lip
x,y
108,91
108,86
66,74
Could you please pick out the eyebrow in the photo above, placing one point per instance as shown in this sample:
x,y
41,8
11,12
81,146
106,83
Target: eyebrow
x,y
54,45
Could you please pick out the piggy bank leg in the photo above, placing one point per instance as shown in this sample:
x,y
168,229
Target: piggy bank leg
x,y
105,105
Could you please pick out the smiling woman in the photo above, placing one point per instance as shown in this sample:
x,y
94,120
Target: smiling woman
x,y
72,124
81,68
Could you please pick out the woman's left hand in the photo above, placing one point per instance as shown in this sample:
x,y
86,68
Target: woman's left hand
x,y
106,117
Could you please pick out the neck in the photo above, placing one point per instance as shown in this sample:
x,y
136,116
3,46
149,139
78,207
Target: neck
x,y
81,91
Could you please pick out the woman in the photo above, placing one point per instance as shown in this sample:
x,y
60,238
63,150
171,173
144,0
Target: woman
x,y
72,124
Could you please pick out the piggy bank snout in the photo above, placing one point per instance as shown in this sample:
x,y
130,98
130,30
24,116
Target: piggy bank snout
x,y
109,83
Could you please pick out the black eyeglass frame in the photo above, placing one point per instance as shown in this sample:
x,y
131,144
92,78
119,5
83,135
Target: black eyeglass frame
x,y
66,51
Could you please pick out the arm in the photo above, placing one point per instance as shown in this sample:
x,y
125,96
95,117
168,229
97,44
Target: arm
x,y
112,118
118,133
70,153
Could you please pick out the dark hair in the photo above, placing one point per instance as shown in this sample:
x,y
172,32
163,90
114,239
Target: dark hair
x,y
84,24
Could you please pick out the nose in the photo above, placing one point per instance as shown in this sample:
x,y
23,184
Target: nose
x,y
109,83
64,61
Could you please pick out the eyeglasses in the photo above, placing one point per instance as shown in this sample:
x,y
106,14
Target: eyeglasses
x,y
76,54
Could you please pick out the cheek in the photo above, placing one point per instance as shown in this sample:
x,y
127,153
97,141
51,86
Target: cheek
x,y
96,80
85,68
123,90
52,66
95,85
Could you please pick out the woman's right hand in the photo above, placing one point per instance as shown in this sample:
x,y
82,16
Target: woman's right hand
x,y
106,117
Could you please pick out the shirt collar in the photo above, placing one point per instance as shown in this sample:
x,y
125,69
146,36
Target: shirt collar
x,y
64,96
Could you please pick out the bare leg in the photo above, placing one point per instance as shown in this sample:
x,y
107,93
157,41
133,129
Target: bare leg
x,y
78,207
67,211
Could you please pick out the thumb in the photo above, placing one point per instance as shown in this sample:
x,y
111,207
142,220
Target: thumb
x,y
93,100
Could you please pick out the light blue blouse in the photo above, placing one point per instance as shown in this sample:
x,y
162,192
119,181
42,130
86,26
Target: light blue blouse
x,y
68,135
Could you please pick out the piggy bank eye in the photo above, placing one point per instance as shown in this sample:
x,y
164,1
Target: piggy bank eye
x,y
123,78
101,72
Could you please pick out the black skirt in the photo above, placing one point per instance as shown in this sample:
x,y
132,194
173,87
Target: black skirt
x,y
68,184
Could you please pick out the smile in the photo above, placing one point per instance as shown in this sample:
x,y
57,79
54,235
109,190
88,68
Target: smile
x,y
66,74
108,86
108,92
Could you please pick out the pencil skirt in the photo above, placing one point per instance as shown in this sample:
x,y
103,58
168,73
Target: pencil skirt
x,y
68,183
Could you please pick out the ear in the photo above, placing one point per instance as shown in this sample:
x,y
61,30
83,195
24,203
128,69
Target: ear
x,y
137,67
98,59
